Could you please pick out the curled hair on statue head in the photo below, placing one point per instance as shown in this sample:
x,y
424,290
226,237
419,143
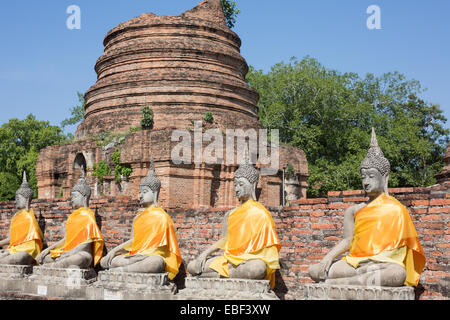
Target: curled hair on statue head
x,y
375,157
82,186
151,180
25,189
247,170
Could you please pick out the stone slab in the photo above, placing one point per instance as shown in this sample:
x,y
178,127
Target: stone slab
x,y
12,277
226,289
15,272
59,283
131,286
321,291
67,276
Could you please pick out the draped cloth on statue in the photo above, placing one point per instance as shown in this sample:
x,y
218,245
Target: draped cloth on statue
x,y
154,234
25,234
251,235
382,230
81,227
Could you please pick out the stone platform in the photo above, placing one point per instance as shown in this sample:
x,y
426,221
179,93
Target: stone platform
x,y
15,272
131,286
12,277
59,283
322,291
226,289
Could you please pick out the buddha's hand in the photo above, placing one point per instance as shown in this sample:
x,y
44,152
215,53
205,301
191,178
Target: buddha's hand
x,y
319,272
195,267
202,260
41,256
105,262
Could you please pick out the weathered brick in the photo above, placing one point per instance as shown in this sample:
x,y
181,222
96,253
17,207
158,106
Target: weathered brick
x,y
355,199
420,202
323,226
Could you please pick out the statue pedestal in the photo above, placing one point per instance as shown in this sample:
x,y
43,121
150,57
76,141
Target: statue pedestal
x,y
321,291
131,286
226,289
15,272
11,277
59,283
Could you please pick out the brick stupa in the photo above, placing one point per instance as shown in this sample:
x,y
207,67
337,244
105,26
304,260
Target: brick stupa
x,y
181,67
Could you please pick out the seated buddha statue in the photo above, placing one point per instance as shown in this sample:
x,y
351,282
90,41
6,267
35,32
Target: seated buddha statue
x,y
25,237
153,247
82,245
249,241
380,245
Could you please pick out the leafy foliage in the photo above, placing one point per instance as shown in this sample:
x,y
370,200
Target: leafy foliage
x,y
101,170
119,170
330,115
230,11
208,117
147,118
20,143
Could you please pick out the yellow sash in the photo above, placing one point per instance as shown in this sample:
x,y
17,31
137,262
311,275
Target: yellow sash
x,y
25,234
251,234
154,234
81,227
384,225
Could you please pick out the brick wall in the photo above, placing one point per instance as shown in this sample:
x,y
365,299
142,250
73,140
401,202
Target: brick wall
x,y
308,229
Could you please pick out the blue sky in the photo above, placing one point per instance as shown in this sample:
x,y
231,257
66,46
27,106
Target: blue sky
x,y
43,64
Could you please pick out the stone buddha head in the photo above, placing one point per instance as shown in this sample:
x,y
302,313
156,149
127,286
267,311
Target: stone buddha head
x,y
81,193
375,169
245,180
24,195
149,187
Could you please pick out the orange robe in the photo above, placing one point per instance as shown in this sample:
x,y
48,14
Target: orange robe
x,y
251,235
154,234
384,225
25,234
81,227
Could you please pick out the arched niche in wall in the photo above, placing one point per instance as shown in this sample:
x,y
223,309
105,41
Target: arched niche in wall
x,y
79,164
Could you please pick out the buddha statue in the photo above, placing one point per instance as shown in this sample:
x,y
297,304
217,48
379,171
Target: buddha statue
x,y
249,240
82,245
380,240
25,236
153,247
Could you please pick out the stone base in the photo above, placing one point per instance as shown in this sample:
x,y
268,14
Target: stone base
x,y
322,291
226,289
131,286
12,277
15,272
59,283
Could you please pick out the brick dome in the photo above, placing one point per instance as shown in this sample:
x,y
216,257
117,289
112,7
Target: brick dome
x,y
180,66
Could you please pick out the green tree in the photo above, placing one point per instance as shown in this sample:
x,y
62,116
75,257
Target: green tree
x,y
230,11
77,113
330,114
20,143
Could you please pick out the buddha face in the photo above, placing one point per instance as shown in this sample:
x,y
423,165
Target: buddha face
x,y
78,200
147,196
373,181
22,202
244,189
